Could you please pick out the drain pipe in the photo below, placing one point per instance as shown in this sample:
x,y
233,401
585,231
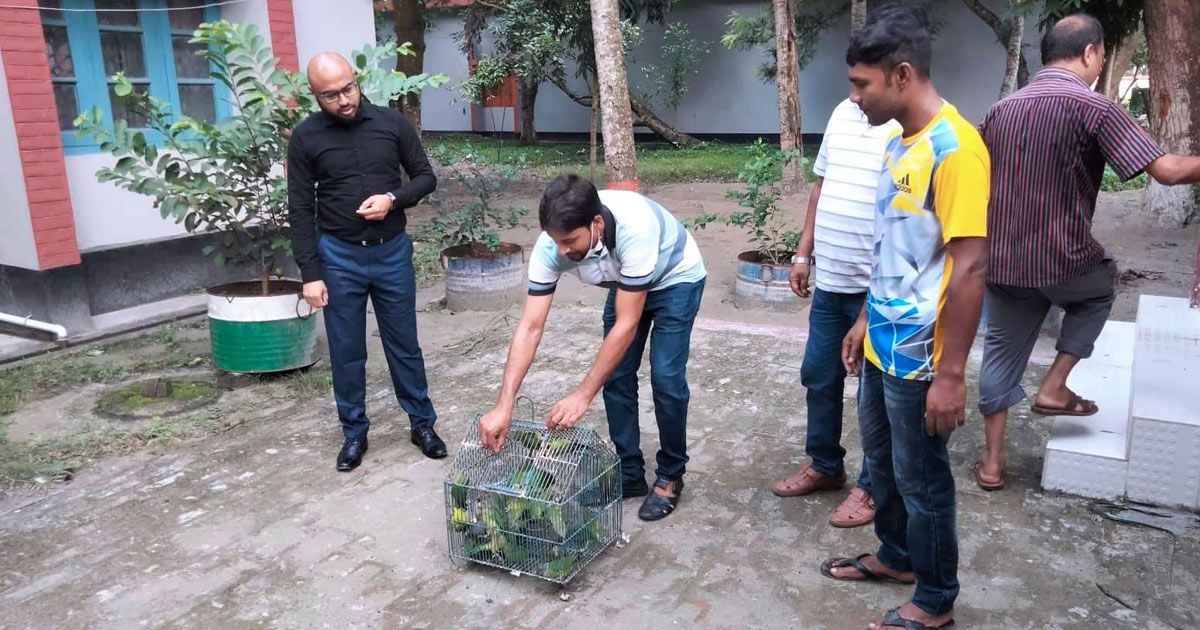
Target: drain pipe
x,y
59,332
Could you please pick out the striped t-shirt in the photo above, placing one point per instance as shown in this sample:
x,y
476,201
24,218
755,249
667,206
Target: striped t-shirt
x,y
850,160
1049,143
643,248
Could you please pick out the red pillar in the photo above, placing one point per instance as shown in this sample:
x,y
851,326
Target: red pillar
x,y
38,137
283,34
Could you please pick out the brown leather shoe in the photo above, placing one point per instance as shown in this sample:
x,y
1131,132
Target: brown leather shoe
x,y
806,480
856,510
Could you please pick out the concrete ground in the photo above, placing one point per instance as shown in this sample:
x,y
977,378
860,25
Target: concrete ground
x,y
251,526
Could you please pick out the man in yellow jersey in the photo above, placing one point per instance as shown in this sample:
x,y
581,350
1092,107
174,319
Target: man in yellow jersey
x,y
920,317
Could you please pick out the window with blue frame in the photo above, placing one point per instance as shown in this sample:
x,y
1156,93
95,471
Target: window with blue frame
x,y
88,41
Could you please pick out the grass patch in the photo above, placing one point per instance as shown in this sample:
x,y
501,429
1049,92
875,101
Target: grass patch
x,y
657,164
312,383
426,264
56,459
53,458
1112,183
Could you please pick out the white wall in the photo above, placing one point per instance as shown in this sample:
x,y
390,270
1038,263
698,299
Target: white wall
x,y
444,108
17,247
341,26
106,215
727,97
254,11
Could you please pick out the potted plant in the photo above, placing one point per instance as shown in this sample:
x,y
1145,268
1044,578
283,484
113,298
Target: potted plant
x,y
762,272
228,179
483,273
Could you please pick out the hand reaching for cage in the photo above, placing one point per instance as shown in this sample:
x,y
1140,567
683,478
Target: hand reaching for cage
x,y
493,427
567,412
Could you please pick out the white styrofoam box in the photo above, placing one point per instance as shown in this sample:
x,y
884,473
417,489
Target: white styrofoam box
x,y
1084,475
1164,463
1088,456
1166,367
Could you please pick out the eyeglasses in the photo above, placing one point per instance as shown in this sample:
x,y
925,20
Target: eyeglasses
x,y
332,97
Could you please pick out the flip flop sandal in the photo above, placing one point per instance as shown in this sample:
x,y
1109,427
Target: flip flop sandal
x,y
1077,407
987,486
893,620
868,575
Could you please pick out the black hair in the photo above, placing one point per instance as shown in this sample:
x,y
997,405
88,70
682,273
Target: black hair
x,y
891,35
1070,37
569,203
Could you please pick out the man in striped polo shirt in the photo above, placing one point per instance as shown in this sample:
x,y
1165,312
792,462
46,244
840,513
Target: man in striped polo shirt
x,y
837,242
655,276
1049,143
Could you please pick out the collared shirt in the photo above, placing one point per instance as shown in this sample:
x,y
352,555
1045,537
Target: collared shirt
x,y
850,160
334,165
933,189
643,248
1049,142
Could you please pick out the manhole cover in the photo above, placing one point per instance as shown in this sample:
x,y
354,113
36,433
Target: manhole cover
x,y
157,398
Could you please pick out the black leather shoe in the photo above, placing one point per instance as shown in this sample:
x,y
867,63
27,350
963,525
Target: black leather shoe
x,y
634,488
657,506
352,453
431,445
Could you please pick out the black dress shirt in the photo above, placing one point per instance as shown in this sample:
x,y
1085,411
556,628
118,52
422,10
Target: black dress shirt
x,y
334,165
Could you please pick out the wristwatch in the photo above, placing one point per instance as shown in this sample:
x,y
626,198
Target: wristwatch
x,y
392,197
802,260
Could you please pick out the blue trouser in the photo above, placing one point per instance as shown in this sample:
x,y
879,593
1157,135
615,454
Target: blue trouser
x,y
385,273
667,321
823,375
912,485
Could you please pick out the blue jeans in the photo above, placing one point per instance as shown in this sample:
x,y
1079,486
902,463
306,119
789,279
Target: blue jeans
x,y
667,321
823,375
913,488
385,273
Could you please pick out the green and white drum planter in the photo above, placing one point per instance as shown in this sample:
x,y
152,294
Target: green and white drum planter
x,y
252,333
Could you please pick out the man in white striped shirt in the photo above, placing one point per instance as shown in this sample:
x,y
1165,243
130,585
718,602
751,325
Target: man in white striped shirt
x,y
838,231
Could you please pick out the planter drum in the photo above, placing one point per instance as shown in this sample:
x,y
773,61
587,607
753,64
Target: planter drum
x,y
763,285
489,282
252,333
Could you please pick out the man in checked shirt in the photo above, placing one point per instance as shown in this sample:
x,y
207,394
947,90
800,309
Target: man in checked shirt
x,y
1049,143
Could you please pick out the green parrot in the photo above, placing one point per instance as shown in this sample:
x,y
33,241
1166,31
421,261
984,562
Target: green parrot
x,y
515,508
557,519
560,568
458,492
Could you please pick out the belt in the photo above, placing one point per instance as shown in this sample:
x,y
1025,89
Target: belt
x,y
370,242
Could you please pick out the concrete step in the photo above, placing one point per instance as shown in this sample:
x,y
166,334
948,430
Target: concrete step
x,y
1089,456
1164,463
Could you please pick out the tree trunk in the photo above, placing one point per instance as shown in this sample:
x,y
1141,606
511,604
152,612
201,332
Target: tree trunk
x,y
620,159
528,102
593,159
645,117
1016,36
1174,109
1003,35
410,27
1116,64
858,14
789,95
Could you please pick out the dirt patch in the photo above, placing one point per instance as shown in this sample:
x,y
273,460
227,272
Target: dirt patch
x,y
254,289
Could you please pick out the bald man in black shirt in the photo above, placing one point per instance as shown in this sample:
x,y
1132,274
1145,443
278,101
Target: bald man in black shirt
x,y
346,202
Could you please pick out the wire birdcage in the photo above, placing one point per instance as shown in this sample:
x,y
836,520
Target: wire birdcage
x,y
546,505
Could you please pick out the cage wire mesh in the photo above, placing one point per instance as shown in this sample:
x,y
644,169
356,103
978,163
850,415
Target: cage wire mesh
x,y
546,505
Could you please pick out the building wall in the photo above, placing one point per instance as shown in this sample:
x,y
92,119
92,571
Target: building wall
x,y
727,97
342,26
16,246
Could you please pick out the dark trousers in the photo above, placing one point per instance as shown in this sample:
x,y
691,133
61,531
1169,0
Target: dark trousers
x,y
385,273
913,488
824,377
1015,316
667,322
